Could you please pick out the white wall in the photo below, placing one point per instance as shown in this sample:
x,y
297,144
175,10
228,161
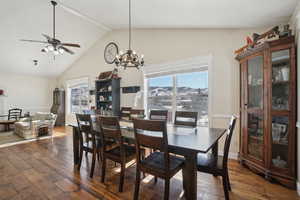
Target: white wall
x,y
169,45
29,93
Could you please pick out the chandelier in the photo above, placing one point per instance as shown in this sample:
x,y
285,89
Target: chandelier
x,y
130,58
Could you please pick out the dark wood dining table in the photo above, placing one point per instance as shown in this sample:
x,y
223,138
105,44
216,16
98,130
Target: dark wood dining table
x,y
184,141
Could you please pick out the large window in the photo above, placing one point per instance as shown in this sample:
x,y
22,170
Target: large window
x,y
180,92
78,96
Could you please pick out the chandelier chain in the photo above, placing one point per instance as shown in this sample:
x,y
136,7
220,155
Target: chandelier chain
x,y
129,24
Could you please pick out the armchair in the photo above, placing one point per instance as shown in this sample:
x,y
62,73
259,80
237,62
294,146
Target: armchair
x,y
28,127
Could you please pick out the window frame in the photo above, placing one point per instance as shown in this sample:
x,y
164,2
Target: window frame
x,y
196,64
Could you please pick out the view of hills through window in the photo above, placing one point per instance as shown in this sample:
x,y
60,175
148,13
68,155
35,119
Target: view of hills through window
x,y
181,92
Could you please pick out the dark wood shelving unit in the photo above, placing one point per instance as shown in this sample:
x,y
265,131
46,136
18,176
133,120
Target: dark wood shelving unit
x,y
108,96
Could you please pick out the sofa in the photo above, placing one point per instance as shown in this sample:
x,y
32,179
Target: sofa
x,y
28,128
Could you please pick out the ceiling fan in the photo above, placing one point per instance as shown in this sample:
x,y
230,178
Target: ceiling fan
x,y
54,45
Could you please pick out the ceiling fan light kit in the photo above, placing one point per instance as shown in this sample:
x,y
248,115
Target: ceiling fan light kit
x,y
55,46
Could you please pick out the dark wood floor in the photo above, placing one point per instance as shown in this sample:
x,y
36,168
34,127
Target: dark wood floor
x,y
44,170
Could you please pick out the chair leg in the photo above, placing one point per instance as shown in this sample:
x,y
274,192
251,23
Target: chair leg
x,y
155,179
143,155
228,182
225,187
137,184
103,170
167,188
122,175
99,156
80,157
93,164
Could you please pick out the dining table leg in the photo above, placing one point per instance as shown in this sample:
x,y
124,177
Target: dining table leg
x,y
189,174
75,146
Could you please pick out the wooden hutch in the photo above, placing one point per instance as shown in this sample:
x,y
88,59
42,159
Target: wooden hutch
x,y
268,110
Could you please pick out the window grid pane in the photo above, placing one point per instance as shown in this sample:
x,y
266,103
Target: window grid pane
x,y
182,92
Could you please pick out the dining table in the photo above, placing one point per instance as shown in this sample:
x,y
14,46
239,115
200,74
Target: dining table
x,y
182,140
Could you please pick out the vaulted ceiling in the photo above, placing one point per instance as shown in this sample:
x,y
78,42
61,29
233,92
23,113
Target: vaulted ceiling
x,y
86,21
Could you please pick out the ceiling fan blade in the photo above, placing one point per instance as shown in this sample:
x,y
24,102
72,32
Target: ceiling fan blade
x,y
33,41
70,45
47,37
67,50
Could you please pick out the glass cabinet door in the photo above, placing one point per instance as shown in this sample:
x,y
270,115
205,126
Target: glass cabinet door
x,y
280,79
280,108
254,107
280,133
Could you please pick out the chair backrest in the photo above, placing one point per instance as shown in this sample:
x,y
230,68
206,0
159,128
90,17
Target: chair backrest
x,y
110,131
159,115
137,113
228,140
85,126
14,114
125,112
186,118
151,134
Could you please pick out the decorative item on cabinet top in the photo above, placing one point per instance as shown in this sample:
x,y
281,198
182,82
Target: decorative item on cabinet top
x,y
107,75
272,34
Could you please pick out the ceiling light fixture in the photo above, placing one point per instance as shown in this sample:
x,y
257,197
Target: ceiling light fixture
x,y
130,57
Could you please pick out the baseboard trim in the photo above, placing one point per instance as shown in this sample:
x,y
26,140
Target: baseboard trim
x,y
27,141
298,188
231,155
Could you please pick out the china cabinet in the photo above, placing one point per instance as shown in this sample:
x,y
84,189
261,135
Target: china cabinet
x,y
268,110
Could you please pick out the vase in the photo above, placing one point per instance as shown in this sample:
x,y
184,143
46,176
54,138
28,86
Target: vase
x,y
285,73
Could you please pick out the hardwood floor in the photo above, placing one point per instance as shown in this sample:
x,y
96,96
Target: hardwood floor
x,y
44,170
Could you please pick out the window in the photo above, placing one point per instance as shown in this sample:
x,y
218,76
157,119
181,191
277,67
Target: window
x,y
180,92
160,96
192,94
78,96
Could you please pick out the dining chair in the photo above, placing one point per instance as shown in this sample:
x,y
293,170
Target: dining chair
x,y
136,113
185,118
159,115
207,163
88,141
14,114
153,134
125,112
121,153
